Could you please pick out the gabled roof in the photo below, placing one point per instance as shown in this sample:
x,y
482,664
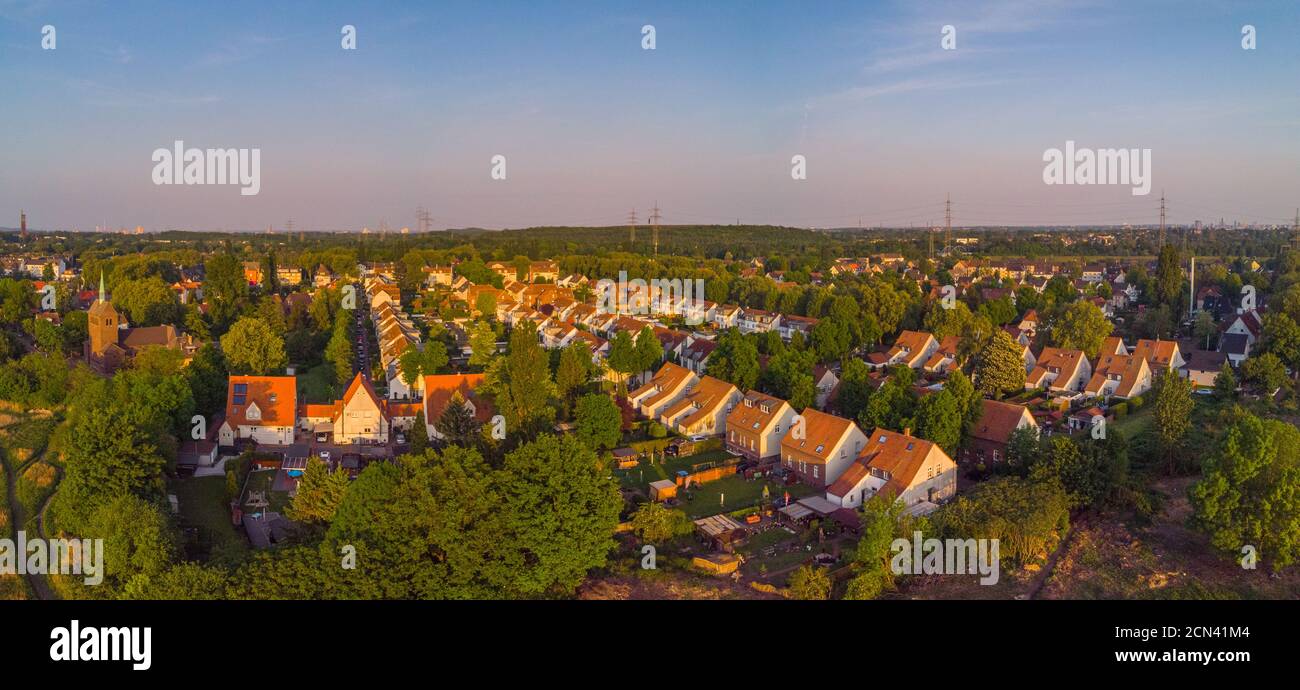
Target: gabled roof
x,y
1157,352
998,420
667,381
276,398
899,456
750,415
821,430
438,390
1127,369
707,397
361,386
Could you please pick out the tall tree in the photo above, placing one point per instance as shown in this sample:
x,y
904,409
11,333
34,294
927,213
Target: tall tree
x,y
319,493
251,347
1173,415
522,383
1082,326
999,368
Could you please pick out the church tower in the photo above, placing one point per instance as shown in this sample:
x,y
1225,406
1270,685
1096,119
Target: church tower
x,y
103,322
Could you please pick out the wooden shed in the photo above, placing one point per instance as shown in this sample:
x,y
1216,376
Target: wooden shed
x,y
717,563
663,490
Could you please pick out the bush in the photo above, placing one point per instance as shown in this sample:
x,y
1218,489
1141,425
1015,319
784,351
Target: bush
x,y
1120,409
656,430
1135,403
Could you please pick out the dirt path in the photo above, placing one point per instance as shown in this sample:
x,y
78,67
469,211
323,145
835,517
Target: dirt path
x,y
1050,566
37,583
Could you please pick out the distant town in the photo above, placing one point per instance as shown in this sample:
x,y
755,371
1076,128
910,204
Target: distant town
x,y
654,412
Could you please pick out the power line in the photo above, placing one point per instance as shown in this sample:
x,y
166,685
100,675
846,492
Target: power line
x,y
654,224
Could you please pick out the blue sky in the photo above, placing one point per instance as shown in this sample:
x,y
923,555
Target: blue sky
x,y
593,125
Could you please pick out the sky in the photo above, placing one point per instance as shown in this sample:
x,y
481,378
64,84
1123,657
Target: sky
x,y
592,125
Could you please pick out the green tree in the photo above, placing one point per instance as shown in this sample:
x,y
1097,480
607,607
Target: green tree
x,y
649,351
1247,493
1082,326
855,388
871,560
939,420
654,523
809,583
598,420
522,383
482,343
1173,415
319,493
251,347
561,507
735,360
573,373
456,424
999,368
1225,383
1266,371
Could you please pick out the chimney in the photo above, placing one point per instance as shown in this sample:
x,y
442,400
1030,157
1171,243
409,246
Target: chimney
x,y
907,431
23,222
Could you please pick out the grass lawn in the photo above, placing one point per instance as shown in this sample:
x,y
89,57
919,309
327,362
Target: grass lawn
x,y
261,481
202,504
316,385
639,477
733,493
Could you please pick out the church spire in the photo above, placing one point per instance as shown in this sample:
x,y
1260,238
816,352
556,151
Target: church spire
x,y
101,286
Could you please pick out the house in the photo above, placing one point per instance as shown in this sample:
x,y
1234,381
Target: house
x,y
1236,346
820,448
912,470
1202,367
543,270
261,408
704,408
758,321
696,355
796,324
323,277
756,425
912,348
1029,322
1120,376
726,316
665,388
1161,355
1248,324
1059,371
289,275
441,389
825,381
253,273
987,442
438,275
360,416
944,357
1113,345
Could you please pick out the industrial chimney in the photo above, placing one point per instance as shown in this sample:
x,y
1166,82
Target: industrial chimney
x,y
23,222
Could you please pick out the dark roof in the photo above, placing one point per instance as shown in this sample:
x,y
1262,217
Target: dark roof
x,y
1233,343
1205,360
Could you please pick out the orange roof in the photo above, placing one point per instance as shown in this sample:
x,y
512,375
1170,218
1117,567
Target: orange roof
x,y
821,430
708,395
1157,352
749,414
998,421
899,456
438,390
274,396
361,384
666,382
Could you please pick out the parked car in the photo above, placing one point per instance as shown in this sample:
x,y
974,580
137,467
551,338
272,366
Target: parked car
x,y
322,438
401,437
324,455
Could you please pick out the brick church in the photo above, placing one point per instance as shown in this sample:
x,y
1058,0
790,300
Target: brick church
x,y
112,343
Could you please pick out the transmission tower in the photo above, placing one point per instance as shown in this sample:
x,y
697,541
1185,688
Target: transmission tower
x,y
631,227
1162,220
423,219
947,223
654,225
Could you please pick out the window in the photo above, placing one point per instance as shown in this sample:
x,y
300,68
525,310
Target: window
x,y
820,448
814,471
